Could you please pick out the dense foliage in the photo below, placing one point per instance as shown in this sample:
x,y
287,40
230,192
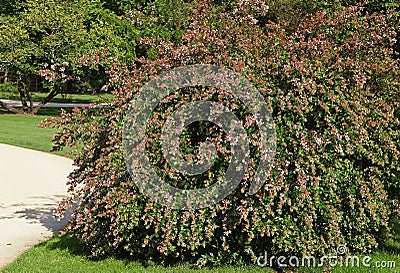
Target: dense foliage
x,y
54,33
159,19
333,88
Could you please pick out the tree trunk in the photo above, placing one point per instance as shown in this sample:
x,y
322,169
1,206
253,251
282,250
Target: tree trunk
x,y
10,108
36,109
22,95
28,94
6,76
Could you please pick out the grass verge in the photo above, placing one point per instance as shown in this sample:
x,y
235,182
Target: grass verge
x,y
64,254
23,131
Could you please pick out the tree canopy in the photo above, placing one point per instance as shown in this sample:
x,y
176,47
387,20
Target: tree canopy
x,y
58,34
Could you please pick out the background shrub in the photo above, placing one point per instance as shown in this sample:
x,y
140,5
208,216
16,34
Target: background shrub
x,y
8,89
333,88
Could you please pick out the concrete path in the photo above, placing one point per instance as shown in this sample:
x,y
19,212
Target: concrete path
x,y
18,104
31,185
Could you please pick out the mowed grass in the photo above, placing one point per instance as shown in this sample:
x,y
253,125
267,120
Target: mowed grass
x,y
64,254
23,131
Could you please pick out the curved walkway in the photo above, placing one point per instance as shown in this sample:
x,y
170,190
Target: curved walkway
x,y
18,104
31,185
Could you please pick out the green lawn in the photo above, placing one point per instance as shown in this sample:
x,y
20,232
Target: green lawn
x,y
64,255
23,131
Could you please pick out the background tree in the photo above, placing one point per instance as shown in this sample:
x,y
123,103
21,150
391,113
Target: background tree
x,y
56,34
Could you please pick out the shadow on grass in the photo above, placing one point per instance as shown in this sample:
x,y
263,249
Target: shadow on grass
x,y
393,244
66,242
74,247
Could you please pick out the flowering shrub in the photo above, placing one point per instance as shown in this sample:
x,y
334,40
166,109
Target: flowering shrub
x,y
333,89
